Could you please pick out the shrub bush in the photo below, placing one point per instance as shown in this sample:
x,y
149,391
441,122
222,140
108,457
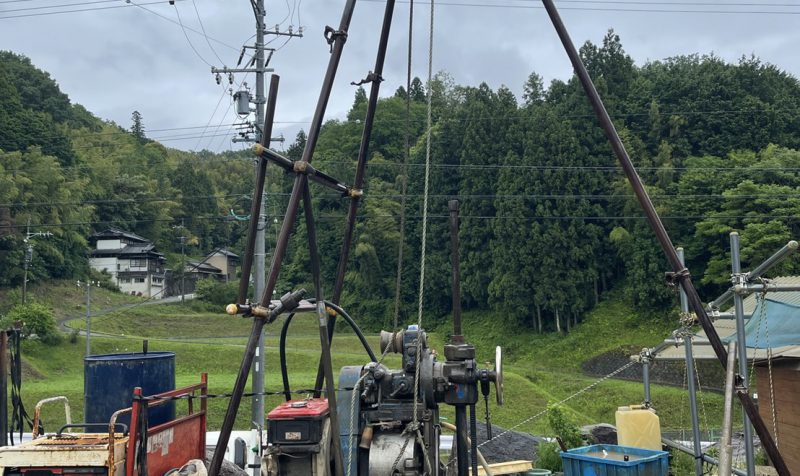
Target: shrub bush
x,y
216,292
37,320
549,455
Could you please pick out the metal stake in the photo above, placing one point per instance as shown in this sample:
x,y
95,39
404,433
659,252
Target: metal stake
x,y
706,458
691,382
725,448
680,274
645,356
738,304
776,258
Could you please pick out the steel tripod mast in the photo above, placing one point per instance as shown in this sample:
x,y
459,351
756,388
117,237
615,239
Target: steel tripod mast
x,y
262,133
261,313
680,275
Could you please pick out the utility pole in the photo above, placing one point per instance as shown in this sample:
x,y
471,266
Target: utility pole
x,y
29,256
258,66
183,263
89,285
183,258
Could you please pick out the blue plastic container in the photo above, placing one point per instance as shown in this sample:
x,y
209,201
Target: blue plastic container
x,y
109,381
609,460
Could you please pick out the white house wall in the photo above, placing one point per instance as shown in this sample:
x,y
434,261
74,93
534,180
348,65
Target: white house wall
x,y
147,288
109,265
109,244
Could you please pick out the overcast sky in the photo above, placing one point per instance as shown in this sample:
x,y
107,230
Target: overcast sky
x,y
125,58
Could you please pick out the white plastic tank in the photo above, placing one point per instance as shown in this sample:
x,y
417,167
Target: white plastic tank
x,y
639,427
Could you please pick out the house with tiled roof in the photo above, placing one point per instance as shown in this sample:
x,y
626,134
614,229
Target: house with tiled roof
x,y
131,260
226,261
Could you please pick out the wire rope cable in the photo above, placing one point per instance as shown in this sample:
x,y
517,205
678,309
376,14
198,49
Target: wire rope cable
x,y
561,402
186,35
404,169
203,28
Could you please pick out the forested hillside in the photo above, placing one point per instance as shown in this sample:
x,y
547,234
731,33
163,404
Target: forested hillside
x,y
548,222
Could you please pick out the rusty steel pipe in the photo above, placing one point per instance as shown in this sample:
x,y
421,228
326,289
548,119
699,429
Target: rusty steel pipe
x,y
361,166
336,39
455,263
325,344
680,273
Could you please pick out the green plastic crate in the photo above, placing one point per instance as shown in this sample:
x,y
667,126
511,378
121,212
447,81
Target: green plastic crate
x,y
591,461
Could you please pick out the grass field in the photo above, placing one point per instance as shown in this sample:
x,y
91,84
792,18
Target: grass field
x,y
539,369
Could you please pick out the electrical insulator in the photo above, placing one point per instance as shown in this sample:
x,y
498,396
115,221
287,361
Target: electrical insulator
x,y
230,78
219,79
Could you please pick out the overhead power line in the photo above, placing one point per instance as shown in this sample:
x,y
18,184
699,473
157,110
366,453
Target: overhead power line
x,y
6,17
186,35
611,9
203,28
337,218
520,114
368,196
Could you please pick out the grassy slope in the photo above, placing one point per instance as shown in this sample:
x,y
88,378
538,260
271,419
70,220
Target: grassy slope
x,y
539,369
66,298
546,368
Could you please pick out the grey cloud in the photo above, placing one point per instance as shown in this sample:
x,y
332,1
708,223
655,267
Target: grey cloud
x,y
117,61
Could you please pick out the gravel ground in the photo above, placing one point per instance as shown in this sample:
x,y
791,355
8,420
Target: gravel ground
x,y
509,447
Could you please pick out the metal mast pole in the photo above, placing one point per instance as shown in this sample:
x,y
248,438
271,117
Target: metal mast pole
x,y
28,257
88,318
738,303
257,416
691,380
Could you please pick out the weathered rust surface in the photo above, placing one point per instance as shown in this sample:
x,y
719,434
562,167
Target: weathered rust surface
x,y
75,441
65,452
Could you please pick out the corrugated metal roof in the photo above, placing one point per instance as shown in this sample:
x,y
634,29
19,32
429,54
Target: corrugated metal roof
x,y
727,327
117,233
789,297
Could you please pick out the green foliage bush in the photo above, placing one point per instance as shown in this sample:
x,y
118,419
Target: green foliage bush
x,y
549,455
216,292
37,320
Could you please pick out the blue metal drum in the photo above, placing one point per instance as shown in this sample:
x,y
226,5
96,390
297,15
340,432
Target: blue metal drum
x,y
109,381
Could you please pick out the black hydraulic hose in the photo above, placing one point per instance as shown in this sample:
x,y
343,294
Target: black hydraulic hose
x,y
355,328
287,393
285,330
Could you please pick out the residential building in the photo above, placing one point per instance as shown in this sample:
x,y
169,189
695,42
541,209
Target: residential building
x,y
132,262
224,260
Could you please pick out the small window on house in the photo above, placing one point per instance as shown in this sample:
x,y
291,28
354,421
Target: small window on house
x,y
124,280
138,280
